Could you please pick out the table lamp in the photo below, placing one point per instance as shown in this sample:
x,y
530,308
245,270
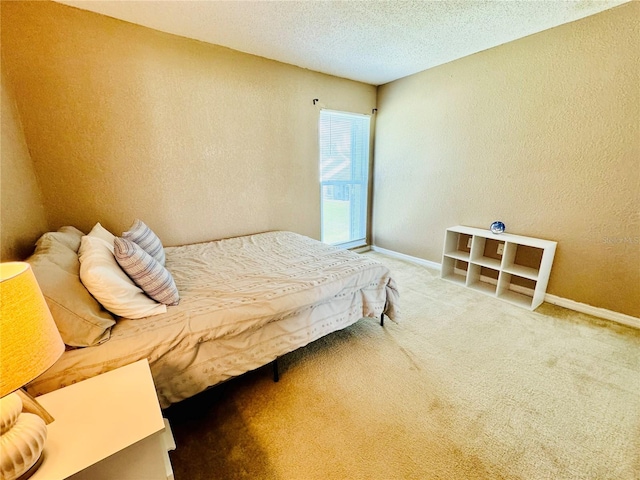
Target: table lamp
x,y
29,345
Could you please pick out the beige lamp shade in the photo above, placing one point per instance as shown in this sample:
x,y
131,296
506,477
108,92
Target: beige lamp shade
x,y
29,339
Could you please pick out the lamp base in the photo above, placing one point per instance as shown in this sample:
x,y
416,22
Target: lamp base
x,y
21,440
32,469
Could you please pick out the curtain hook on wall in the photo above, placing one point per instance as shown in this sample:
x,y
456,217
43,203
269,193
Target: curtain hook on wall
x,y
315,100
373,112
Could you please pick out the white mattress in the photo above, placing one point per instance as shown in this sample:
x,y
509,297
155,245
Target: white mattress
x,y
244,302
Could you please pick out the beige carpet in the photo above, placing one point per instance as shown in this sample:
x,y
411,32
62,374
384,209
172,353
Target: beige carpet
x,y
464,387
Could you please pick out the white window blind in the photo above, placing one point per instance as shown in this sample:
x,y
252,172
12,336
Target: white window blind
x,y
344,176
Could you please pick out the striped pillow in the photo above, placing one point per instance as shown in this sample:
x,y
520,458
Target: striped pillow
x,y
146,272
147,239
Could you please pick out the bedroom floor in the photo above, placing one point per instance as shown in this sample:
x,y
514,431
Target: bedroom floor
x,y
463,387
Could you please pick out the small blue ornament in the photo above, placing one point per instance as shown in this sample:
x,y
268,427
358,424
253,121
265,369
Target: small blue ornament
x,y
497,227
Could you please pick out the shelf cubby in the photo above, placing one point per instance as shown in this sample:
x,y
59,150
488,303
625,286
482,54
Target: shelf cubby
x,y
484,252
517,298
458,246
455,270
522,260
516,289
518,275
482,278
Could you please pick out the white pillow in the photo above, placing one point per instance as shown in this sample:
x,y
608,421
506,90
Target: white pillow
x,y
106,281
99,231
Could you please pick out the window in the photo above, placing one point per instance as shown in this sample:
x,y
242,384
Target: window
x,y
344,177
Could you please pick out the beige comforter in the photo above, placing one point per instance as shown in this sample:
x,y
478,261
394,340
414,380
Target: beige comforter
x,y
267,294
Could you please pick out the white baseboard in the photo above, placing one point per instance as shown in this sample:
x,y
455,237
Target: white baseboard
x,y
617,317
408,258
595,311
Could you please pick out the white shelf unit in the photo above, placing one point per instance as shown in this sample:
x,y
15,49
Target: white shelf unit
x,y
518,275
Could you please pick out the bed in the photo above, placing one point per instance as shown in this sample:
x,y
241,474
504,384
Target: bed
x,y
244,302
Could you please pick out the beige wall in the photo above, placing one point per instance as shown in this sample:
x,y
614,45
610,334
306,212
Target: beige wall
x,y
541,133
198,141
203,142
22,218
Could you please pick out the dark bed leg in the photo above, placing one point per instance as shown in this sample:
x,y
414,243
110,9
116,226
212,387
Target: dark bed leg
x,y
276,375
382,319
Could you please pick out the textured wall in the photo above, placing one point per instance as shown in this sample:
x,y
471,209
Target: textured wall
x,y
22,218
198,141
542,133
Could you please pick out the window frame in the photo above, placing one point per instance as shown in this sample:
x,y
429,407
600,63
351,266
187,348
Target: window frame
x,y
365,182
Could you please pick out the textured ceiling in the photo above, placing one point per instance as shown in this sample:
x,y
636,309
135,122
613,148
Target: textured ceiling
x,y
370,41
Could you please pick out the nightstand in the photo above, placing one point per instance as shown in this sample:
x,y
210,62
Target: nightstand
x,y
107,427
